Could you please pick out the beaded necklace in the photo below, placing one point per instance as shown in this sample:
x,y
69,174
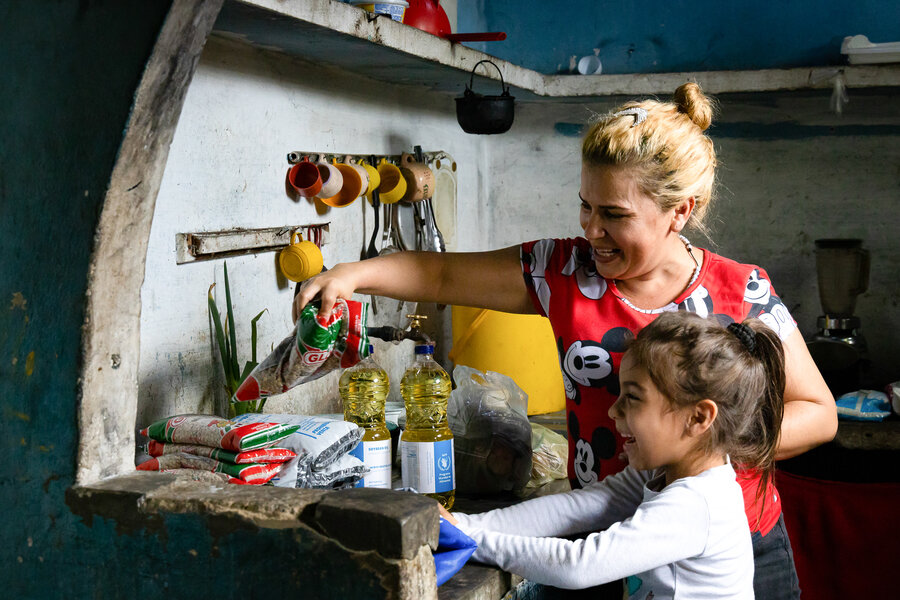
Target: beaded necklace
x,y
690,250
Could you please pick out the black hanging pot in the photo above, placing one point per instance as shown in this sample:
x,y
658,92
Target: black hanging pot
x,y
485,114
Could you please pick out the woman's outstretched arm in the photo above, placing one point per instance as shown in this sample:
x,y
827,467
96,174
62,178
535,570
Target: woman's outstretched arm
x,y
481,279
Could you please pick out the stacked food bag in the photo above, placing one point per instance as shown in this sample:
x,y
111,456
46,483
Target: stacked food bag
x,y
244,453
280,449
322,445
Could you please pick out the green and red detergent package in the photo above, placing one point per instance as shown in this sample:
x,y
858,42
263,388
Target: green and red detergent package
x,y
318,345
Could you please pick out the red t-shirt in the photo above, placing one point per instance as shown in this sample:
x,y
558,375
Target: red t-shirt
x,y
592,324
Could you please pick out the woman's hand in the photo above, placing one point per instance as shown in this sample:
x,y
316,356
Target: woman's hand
x,y
447,516
338,282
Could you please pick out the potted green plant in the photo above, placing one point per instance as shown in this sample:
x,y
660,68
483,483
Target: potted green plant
x,y
226,339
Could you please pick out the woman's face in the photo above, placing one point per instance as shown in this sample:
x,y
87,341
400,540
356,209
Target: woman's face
x,y
624,226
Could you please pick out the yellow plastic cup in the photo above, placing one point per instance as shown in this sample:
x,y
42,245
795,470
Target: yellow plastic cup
x,y
374,177
301,260
393,185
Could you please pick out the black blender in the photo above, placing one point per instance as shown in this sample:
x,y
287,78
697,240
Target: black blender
x,y
838,347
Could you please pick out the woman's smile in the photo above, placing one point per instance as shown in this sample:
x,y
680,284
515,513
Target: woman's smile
x,y
606,255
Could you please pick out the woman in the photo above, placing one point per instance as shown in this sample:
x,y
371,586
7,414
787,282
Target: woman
x,y
647,175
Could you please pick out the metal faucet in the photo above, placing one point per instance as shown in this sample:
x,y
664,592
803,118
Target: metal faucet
x,y
395,334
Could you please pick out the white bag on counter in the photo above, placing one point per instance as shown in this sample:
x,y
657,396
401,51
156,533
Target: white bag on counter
x,y
863,405
346,471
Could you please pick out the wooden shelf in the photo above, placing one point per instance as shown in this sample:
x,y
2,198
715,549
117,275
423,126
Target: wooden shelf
x,y
344,36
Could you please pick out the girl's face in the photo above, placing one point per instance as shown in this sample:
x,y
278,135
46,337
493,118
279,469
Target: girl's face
x,y
624,225
654,430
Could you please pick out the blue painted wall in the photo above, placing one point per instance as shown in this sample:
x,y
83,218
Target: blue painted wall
x,y
658,36
69,70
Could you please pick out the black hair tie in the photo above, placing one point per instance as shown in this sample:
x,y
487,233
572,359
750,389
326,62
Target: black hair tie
x,y
745,334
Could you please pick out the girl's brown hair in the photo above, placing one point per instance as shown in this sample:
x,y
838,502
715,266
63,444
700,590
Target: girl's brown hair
x,y
667,152
740,368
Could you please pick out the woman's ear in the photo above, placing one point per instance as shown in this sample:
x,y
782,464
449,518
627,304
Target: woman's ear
x,y
701,417
682,214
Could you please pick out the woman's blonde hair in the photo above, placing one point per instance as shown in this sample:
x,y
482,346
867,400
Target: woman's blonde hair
x,y
667,152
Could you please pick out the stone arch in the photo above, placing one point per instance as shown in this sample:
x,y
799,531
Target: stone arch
x,y
111,331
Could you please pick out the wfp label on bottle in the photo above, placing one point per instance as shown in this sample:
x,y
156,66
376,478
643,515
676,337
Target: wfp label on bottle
x,y
377,457
428,466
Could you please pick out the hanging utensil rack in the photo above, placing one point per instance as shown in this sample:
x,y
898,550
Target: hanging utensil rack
x,y
296,156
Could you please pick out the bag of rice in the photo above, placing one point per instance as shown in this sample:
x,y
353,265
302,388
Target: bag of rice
x,y
318,345
323,438
262,455
256,474
208,430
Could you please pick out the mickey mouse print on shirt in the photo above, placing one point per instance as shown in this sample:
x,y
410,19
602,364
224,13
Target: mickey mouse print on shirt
x,y
592,326
767,307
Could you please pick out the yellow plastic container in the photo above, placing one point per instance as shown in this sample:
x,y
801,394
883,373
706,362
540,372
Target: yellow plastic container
x,y
520,346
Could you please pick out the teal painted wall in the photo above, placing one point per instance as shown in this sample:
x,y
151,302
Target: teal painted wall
x,y
662,36
69,70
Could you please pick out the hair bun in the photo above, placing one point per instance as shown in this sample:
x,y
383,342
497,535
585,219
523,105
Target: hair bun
x,y
695,104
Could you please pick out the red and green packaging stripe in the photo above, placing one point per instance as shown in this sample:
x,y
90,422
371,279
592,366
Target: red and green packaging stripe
x,y
262,455
252,473
206,430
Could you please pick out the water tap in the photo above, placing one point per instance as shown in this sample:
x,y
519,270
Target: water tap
x,y
394,334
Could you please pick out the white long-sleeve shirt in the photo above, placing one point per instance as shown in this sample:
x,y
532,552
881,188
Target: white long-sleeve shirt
x,y
689,540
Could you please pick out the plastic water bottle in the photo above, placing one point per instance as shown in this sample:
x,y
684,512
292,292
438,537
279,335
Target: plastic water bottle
x,y
426,445
364,388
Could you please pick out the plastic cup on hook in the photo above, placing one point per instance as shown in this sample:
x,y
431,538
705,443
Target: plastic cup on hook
x,y
301,260
374,177
332,179
352,186
305,178
393,185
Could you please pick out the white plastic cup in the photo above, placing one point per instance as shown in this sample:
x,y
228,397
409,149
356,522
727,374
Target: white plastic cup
x,y
590,65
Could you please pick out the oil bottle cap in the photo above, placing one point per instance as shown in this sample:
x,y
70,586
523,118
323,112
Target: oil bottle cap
x,y
424,348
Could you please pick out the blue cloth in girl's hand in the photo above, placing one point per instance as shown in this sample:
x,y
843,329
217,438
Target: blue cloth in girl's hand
x,y
454,549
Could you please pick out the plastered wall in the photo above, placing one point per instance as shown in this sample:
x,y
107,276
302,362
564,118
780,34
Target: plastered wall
x,y
245,110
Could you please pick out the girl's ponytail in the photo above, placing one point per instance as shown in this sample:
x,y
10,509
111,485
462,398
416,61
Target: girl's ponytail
x,y
759,442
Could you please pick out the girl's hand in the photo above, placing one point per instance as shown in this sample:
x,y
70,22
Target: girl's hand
x,y
338,282
447,516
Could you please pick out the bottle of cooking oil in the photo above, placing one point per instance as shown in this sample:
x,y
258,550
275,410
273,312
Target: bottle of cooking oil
x,y
426,446
364,388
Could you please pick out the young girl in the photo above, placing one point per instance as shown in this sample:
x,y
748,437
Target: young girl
x,y
695,397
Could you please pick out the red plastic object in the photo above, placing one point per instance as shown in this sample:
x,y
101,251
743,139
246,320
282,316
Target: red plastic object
x,y
427,15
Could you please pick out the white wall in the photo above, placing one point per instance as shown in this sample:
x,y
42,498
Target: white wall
x,y
245,110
